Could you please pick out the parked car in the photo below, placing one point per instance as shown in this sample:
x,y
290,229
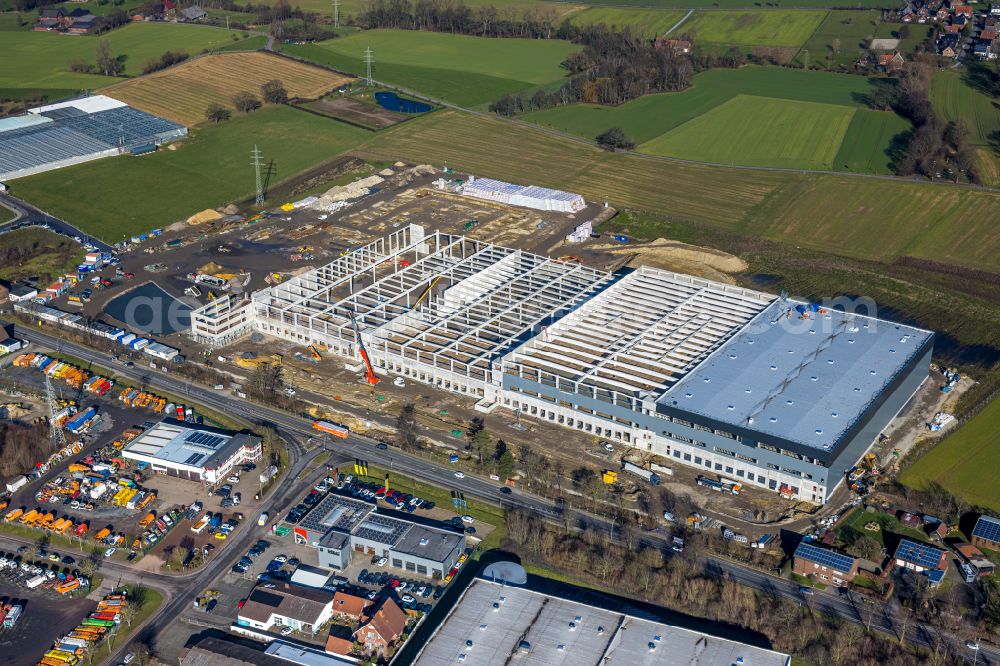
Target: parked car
x,y
459,475
110,551
286,631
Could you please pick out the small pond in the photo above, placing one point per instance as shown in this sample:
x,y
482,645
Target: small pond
x,y
393,102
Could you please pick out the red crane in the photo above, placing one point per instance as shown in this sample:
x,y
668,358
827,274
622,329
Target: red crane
x,y
369,371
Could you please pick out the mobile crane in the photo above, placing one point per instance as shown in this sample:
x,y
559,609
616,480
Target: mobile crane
x,y
369,371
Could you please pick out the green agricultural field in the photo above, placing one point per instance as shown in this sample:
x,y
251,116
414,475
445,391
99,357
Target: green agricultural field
x,y
954,99
38,60
964,463
649,116
118,196
647,22
840,39
457,68
789,28
760,131
820,211
863,146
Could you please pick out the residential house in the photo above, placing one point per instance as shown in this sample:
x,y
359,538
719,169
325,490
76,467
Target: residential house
x,y
10,345
923,14
960,21
963,10
935,529
986,533
823,564
948,46
983,51
975,558
349,607
191,14
942,14
675,45
382,630
921,558
952,29
83,25
891,62
302,608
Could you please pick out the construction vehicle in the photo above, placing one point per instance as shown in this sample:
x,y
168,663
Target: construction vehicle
x,y
103,534
315,353
31,518
369,371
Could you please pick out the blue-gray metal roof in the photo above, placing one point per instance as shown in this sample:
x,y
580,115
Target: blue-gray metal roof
x,y
919,554
987,527
825,557
804,379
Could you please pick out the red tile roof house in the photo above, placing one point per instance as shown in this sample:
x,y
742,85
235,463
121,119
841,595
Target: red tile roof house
x,y
892,62
348,606
382,630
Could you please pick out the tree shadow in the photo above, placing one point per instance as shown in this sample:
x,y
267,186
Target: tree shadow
x,y
898,147
982,78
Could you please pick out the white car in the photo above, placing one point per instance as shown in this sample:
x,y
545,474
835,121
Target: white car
x,y
407,599
281,558
972,645
468,519
289,391
381,561
110,551
128,658
459,475
286,631
233,479
400,382
608,447
263,519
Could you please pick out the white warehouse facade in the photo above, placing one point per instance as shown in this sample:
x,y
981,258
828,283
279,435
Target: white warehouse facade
x,y
778,394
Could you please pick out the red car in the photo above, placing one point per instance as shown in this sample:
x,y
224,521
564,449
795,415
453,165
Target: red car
x,y
394,583
130,275
240,605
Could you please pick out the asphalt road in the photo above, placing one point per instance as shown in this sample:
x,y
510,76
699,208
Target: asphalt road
x,y
28,215
850,608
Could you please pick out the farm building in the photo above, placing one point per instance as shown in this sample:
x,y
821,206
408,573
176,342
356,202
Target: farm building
x,y
58,135
496,624
778,394
529,196
197,453
986,533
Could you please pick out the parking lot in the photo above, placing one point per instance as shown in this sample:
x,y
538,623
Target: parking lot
x,y
45,618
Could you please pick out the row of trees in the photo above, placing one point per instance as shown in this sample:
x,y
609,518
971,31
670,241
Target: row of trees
x,y
272,92
168,59
457,17
935,148
688,584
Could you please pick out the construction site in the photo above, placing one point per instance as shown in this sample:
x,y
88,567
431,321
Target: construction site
x,y
471,304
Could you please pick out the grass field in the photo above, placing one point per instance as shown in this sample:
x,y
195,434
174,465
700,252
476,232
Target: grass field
x,y
964,463
38,60
869,137
460,69
832,213
646,22
917,34
183,93
656,121
850,27
954,99
753,28
118,196
760,131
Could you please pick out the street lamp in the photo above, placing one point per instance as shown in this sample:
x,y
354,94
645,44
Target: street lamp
x,y
975,649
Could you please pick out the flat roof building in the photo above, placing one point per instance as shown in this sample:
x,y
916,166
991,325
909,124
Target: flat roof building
x,y
776,393
194,452
515,625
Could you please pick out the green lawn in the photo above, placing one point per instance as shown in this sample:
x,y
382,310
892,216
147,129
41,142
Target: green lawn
x,y
866,145
760,131
953,99
965,462
647,22
118,196
848,27
38,60
916,34
753,28
652,115
460,69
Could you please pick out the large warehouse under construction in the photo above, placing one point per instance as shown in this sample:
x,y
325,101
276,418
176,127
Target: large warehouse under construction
x,y
771,392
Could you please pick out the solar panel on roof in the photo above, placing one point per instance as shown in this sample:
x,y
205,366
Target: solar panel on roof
x,y
987,528
824,557
919,554
193,459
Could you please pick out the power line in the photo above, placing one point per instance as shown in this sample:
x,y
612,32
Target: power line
x,y
369,59
256,157
336,13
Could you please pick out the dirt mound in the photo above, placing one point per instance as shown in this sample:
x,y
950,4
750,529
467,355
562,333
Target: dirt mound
x,y
231,209
679,257
207,215
210,268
